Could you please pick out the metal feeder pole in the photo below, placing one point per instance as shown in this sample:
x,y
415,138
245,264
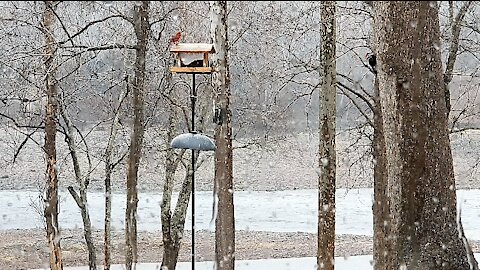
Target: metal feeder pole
x,y
193,99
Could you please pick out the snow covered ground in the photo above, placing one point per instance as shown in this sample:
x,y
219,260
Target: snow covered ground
x,y
306,263
277,211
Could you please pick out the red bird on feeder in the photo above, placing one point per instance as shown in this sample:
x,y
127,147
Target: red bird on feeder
x,y
175,39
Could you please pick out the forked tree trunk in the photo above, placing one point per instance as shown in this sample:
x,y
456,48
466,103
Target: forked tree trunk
x,y
82,181
173,225
223,186
141,26
170,246
51,116
326,151
172,236
423,226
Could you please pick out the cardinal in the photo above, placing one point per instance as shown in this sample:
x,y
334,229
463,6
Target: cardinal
x,y
175,39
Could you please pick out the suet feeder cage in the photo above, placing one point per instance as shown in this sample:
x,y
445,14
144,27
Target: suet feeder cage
x,y
191,57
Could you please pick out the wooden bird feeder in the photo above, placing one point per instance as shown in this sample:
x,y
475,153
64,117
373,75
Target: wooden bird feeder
x,y
191,57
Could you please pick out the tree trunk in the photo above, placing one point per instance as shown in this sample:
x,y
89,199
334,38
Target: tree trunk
x,y
455,25
173,226
170,247
223,186
141,26
327,155
81,200
419,166
109,166
51,195
381,205
173,235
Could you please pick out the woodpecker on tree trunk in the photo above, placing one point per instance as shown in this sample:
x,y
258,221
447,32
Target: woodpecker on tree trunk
x,y
372,61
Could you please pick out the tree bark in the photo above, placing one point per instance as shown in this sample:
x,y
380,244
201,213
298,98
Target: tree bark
x,y
141,26
51,117
327,154
454,45
174,234
419,167
173,225
109,166
223,186
170,246
80,200
381,202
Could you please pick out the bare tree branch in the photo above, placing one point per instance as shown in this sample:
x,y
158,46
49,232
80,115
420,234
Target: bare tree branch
x,y
343,87
91,24
25,140
454,44
103,47
62,24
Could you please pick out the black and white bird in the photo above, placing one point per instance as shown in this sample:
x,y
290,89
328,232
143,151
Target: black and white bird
x,y
372,61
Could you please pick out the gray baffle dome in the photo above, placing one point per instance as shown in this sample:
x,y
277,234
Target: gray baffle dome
x,y
193,141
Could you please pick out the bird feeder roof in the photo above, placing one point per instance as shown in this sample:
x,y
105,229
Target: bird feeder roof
x,y
193,48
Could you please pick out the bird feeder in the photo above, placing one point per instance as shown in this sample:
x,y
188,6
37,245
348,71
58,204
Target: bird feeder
x,y
192,57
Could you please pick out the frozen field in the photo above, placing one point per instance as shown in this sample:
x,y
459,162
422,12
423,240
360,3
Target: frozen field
x,y
276,211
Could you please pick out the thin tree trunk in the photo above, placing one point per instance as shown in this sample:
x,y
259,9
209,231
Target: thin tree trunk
x,y
107,236
82,181
172,231
223,185
51,196
109,166
180,212
141,26
327,155
418,158
81,201
170,246
454,45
